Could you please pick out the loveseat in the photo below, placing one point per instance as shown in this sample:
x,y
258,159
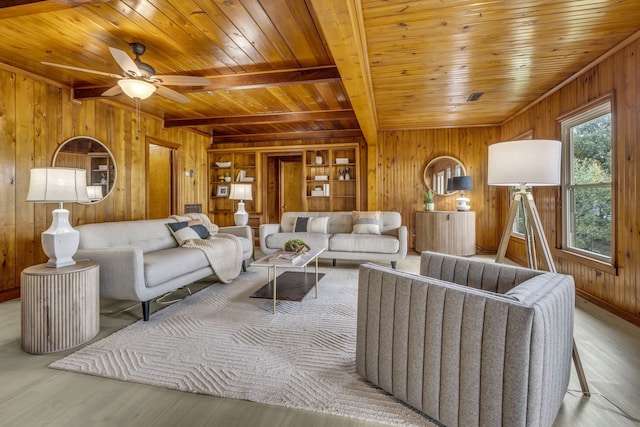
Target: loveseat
x,y
141,260
468,343
344,235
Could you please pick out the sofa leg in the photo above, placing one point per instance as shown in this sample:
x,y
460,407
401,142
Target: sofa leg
x,y
145,310
393,265
244,266
334,262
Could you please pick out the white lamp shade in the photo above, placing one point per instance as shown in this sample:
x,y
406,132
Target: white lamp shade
x,y
134,88
240,192
533,162
58,185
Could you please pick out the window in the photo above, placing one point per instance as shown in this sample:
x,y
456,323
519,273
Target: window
x,y
587,183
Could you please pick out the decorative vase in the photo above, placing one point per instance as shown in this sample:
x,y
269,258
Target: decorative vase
x,y
347,176
430,207
341,176
318,158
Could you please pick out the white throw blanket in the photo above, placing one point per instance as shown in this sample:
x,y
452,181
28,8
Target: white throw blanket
x,y
223,251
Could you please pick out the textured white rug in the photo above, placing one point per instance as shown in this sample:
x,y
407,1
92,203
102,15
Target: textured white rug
x,y
223,343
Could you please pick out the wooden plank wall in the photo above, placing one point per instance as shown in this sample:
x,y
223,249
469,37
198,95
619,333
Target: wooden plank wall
x,y
619,75
402,157
35,117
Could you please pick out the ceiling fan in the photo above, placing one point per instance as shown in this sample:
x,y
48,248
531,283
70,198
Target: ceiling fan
x,y
139,80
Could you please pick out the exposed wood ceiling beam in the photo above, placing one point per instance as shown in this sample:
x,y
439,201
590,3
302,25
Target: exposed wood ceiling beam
x,y
320,74
261,119
343,29
324,134
14,8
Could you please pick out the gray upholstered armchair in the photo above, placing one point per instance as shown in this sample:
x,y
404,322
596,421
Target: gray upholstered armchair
x,y
466,342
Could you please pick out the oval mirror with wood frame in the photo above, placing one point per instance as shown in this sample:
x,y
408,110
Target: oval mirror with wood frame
x,y
439,170
88,153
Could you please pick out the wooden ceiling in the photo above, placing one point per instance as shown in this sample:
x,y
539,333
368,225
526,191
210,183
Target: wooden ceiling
x,y
284,69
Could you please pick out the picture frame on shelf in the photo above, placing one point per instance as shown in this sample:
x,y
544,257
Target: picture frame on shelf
x,y
222,191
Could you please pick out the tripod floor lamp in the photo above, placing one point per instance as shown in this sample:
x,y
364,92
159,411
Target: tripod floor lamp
x,y
529,163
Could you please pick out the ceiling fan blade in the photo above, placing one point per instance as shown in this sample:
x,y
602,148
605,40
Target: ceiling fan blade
x,y
84,70
116,90
171,94
183,80
125,62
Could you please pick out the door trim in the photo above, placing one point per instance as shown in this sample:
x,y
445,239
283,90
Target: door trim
x,y
176,167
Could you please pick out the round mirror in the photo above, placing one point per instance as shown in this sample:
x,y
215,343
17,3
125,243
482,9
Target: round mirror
x,y
88,153
439,170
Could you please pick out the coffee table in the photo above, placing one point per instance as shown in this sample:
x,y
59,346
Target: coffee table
x,y
293,286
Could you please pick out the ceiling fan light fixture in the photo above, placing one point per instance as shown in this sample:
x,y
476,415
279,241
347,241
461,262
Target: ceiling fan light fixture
x,y
134,88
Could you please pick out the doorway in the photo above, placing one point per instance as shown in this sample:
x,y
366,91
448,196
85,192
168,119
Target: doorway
x,y
284,185
161,181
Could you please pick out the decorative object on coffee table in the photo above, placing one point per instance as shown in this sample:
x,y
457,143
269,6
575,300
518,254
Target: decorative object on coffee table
x,y
296,245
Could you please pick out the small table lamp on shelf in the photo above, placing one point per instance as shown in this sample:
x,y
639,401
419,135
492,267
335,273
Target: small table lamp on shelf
x,y
460,183
59,185
240,192
95,192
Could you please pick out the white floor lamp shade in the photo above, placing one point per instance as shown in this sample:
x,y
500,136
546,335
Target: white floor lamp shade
x,y
530,162
59,185
240,192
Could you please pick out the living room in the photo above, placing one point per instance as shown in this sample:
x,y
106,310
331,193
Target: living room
x,y
40,112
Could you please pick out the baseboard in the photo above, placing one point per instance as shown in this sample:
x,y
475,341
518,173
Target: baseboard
x,y
629,317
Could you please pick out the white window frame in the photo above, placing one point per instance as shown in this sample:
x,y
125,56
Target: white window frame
x,y
566,124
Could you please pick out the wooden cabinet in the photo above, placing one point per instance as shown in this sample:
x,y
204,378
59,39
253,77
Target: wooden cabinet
x,y
331,179
452,233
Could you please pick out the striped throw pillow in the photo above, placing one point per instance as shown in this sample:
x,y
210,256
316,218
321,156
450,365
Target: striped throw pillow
x,y
366,222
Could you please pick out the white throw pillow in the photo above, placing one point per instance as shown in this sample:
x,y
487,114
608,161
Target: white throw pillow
x,y
184,234
318,224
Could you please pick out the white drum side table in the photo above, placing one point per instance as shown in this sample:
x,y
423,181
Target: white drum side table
x,y
60,306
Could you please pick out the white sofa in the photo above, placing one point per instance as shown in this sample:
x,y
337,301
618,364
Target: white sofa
x,y
339,241
141,260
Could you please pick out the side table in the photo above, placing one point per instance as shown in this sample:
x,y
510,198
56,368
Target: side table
x,y
60,306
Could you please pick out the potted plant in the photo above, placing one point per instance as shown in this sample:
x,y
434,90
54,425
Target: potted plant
x,y
429,205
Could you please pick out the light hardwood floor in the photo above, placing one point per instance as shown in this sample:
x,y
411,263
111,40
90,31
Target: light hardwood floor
x,y
33,395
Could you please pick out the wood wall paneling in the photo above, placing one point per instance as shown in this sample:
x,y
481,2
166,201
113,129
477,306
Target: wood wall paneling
x,y
35,118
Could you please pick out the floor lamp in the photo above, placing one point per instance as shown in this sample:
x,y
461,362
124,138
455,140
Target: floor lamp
x,y
529,163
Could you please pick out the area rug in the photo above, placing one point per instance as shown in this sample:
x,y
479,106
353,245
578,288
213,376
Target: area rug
x,y
220,342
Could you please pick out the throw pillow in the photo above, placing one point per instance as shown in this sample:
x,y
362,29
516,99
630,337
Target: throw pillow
x,y
199,228
311,224
182,231
318,224
301,224
366,222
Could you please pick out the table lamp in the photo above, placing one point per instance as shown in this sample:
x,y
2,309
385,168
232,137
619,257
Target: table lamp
x,y
240,192
460,183
59,185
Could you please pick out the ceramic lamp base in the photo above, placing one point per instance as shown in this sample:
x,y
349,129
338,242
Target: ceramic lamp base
x,y
241,217
461,204
60,242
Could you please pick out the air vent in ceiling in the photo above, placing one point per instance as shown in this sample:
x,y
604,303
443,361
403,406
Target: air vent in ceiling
x,y
475,96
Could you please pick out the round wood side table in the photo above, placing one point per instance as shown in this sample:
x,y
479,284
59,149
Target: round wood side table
x,y
60,306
